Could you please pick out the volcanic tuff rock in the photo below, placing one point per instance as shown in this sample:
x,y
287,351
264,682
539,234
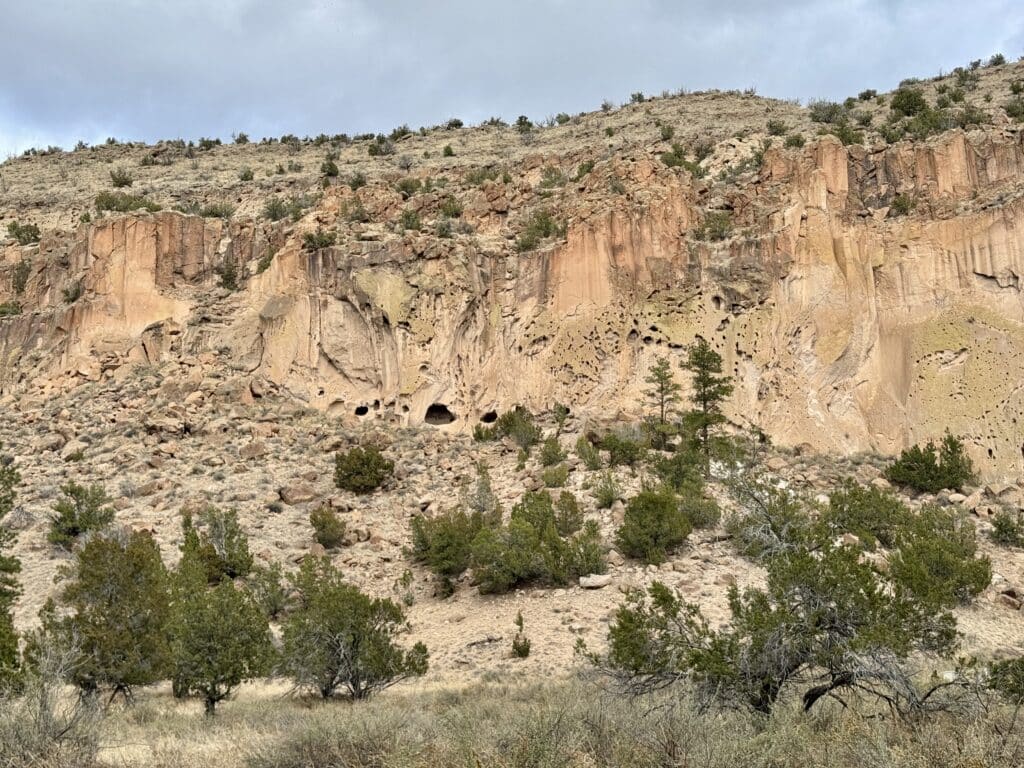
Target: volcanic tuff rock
x,y
846,326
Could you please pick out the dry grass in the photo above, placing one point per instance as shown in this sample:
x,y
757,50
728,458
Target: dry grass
x,y
571,723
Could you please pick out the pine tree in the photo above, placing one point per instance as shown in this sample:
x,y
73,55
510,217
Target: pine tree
x,y
664,392
116,605
710,389
10,566
663,396
81,510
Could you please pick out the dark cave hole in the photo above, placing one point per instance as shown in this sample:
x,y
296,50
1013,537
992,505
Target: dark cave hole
x,y
716,302
439,414
492,416
362,410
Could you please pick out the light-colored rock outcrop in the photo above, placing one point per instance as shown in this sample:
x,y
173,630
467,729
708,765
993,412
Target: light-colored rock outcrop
x,y
845,328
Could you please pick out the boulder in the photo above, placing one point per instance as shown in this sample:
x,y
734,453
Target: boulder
x,y
297,493
595,581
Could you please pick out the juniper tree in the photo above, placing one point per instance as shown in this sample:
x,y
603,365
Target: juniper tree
x,y
219,636
218,542
112,615
829,622
710,389
338,638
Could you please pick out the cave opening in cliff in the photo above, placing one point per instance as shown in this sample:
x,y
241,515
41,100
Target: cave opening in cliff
x,y
362,410
438,414
716,302
489,418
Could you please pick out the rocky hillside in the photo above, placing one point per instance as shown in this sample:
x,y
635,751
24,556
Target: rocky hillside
x,y
865,296
262,305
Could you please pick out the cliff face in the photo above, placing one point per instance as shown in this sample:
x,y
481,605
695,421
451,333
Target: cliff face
x,y
846,326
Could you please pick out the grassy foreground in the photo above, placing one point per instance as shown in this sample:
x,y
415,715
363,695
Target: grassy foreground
x,y
569,723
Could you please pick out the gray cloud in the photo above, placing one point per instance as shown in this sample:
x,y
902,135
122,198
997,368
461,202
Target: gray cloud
x,y
151,69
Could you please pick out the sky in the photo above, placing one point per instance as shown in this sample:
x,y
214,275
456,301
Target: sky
x,y
144,70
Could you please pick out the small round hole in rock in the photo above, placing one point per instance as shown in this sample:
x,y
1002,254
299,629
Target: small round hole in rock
x,y
489,418
362,410
438,413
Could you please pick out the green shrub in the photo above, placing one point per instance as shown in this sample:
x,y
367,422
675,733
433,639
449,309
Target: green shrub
x,y
122,202
902,205
409,219
794,140
606,491
930,122
552,177
872,515
930,469
268,589
826,112
277,208
847,134
329,169
1008,528
622,450
539,226
516,424
20,275
451,207
667,132
80,510
676,158
214,542
568,515
529,550
555,477
523,124
24,234
587,453
361,469
217,210
408,187
1007,677
776,127
444,543
315,241
717,225
121,177
583,170
520,642
1015,108
551,452
328,528
448,151
338,638
936,560
907,102
653,525
10,309
702,511
867,95
246,174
